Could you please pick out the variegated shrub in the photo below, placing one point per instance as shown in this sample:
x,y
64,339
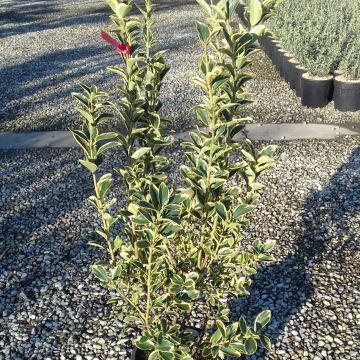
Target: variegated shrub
x,y
179,251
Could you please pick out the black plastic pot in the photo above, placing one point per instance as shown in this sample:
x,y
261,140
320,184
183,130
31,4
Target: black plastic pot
x,y
346,94
139,354
297,79
293,63
278,58
316,91
264,42
272,49
286,66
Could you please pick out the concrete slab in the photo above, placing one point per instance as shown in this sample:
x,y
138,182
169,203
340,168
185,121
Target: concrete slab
x,y
64,139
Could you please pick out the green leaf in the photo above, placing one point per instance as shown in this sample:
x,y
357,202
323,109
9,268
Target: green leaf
x,y
229,350
86,115
89,165
167,355
163,194
116,272
225,251
107,146
204,5
250,346
262,320
154,355
183,306
221,210
122,10
117,243
258,30
203,115
100,272
265,342
139,153
264,257
203,31
255,10
106,136
242,210
142,244
221,327
269,245
144,343
215,337
139,219
243,326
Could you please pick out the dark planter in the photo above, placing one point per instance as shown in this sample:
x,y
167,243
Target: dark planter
x,y
316,91
287,67
139,354
272,49
264,42
346,94
280,61
293,63
297,79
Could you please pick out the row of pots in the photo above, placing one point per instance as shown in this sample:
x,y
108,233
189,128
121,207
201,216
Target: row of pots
x,y
314,91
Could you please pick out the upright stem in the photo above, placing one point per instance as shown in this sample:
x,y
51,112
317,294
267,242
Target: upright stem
x,y
105,227
148,284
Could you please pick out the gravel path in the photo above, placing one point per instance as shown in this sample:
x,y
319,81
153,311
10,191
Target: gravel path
x,y
48,47
53,309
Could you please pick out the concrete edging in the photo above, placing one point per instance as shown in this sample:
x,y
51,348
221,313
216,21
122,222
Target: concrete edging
x,y
275,132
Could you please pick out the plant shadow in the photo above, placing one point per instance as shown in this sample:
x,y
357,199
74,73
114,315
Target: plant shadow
x,y
324,244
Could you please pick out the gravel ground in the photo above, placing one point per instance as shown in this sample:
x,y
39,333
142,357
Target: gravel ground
x,y
52,308
48,47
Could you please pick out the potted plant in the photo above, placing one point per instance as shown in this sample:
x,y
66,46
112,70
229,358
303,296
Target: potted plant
x,y
174,259
316,91
347,81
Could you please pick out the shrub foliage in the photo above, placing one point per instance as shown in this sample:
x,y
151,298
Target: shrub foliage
x,y
179,250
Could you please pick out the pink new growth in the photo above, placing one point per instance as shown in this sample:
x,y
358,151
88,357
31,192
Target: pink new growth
x,y
121,48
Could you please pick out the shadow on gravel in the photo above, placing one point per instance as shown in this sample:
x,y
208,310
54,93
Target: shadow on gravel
x,y
42,80
42,251
45,226
24,18
33,21
324,235
48,80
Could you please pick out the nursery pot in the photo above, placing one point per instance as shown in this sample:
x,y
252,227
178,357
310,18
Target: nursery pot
x,y
138,354
293,63
272,49
264,42
279,60
316,91
346,94
287,67
297,79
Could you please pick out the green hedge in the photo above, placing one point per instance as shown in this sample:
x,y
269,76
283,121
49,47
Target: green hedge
x,y
322,35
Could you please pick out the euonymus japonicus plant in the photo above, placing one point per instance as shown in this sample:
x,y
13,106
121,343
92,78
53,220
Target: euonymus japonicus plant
x,y
178,257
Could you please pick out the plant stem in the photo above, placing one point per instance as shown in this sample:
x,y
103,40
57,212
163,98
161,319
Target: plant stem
x,y
148,284
102,213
